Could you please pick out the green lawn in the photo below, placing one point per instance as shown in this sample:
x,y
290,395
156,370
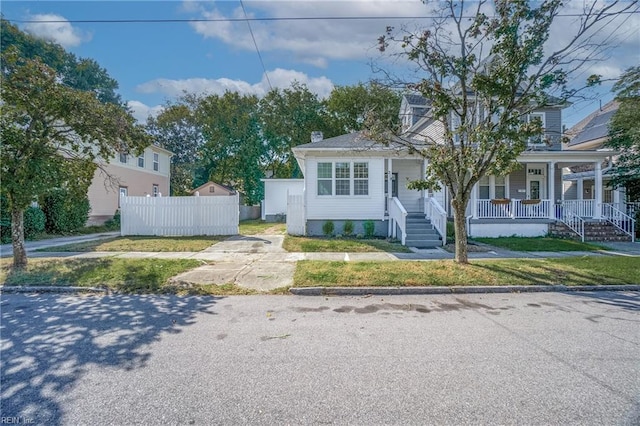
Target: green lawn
x,y
567,271
538,244
315,245
141,276
253,227
151,244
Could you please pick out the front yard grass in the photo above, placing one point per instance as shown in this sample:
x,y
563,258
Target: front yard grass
x,y
139,276
253,227
340,245
568,271
145,244
538,244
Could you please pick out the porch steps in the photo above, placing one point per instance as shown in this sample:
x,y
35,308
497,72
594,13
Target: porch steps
x,y
593,231
420,232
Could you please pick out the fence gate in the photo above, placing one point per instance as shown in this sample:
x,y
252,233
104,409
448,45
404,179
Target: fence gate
x,y
295,215
186,216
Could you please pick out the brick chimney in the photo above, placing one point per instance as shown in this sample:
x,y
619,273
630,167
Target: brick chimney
x,y
316,136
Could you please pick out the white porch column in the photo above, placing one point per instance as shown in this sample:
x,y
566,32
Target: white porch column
x,y
473,201
389,194
424,191
551,194
597,190
580,189
617,199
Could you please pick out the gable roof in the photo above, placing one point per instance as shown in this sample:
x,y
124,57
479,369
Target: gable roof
x,y
219,185
415,99
593,127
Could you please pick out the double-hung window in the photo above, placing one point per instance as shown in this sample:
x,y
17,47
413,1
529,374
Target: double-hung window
x,y
156,162
492,187
141,161
343,178
360,178
538,139
325,178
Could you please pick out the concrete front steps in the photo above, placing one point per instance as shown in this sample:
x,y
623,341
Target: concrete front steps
x,y
420,232
600,230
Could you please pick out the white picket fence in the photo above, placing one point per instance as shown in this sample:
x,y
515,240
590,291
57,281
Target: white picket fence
x,y
175,216
295,215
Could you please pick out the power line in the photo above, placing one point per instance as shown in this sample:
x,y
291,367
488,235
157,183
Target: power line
x,y
256,45
261,19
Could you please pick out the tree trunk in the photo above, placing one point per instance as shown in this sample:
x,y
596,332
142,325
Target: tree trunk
x,y
460,223
17,239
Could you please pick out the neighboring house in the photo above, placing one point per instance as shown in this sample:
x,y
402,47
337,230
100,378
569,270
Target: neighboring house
x,y
276,193
212,189
352,178
591,133
144,175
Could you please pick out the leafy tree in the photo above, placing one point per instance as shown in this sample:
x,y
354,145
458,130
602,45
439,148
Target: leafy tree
x,y
51,135
349,106
177,130
624,131
232,152
482,76
287,118
78,73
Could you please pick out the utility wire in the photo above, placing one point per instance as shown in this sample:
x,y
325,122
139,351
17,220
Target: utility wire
x,y
256,19
256,45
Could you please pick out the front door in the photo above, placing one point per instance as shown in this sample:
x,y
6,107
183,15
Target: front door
x,y
536,188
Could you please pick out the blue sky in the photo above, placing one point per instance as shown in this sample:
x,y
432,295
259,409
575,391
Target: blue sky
x,y
155,62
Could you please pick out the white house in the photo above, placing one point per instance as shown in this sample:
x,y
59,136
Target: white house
x,y
352,178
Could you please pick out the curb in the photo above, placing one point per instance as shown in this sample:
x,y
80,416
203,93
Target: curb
x,y
52,289
397,291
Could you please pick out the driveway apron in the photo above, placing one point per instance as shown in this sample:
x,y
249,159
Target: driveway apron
x,y
258,262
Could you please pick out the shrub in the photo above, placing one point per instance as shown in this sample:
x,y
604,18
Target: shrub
x,y
114,222
348,228
328,228
65,212
34,221
369,228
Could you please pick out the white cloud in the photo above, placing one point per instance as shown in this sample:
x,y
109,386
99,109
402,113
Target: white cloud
x,y
279,78
61,31
142,111
309,41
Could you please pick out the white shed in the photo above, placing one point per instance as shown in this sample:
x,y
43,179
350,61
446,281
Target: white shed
x,y
274,205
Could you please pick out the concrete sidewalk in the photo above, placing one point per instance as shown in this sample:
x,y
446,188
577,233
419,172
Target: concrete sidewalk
x,y
6,250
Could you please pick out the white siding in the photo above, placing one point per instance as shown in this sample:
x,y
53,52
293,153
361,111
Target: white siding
x,y
275,194
361,207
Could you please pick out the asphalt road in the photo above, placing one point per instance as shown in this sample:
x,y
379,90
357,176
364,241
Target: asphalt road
x,y
528,359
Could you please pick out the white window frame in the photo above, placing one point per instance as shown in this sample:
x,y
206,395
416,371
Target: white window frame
x,y
156,162
141,161
123,191
155,190
124,158
334,179
543,118
492,187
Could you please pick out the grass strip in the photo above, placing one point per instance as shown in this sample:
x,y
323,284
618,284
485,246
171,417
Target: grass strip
x,y
137,276
324,245
253,227
568,271
144,244
538,244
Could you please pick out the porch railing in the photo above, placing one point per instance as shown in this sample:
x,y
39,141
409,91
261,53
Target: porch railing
x,y
581,208
438,216
513,209
573,222
619,219
398,218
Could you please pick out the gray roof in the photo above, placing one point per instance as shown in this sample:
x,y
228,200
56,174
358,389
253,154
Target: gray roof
x,y
593,127
415,99
351,140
